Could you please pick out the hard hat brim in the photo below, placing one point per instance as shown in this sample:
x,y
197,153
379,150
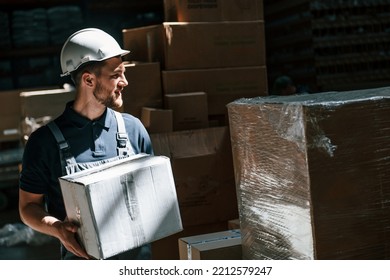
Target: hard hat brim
x,y
120,53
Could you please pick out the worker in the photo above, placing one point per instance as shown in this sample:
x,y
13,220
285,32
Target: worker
x,y
92,133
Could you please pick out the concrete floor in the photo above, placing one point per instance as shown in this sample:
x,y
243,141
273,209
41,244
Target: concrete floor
x,y
21,251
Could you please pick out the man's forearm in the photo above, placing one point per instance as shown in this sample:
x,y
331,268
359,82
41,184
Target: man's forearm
x,y
38,219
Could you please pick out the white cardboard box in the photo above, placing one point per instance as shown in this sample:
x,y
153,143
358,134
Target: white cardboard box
x,y
123,204
223,245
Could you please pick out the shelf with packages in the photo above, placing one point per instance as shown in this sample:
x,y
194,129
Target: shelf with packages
x,y
284,6
32,33
324,8
351,59
326,30
37,29
29,4
343,39
31,52
346,81
124,6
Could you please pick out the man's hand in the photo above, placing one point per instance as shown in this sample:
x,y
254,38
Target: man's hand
x,y
32,212
67,235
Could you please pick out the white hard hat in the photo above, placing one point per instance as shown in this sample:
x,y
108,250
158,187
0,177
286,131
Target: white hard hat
x,y
87,45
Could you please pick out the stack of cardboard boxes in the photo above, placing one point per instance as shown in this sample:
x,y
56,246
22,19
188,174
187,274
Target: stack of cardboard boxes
x,y
215,48
210,53
144,91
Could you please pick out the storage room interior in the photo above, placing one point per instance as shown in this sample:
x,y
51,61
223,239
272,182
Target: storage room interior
x,y
204,79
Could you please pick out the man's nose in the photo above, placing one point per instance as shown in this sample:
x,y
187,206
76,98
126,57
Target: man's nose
x,y
123,82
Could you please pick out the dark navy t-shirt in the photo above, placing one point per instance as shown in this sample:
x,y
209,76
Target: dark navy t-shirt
x,y
89,141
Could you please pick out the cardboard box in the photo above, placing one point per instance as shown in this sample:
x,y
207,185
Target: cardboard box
x,y
215,10
144,89
199,45
167,248
203,170
10,115
312,175
38,107
189,110
224,245
222,85
157,120
123,204
46,102
234,224
10,128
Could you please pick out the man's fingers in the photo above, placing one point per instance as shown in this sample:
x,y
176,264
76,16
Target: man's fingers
x,y
70,226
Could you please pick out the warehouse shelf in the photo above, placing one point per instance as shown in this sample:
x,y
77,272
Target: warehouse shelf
x,y
283,6
336,38
124,6
20,45
339,78
28,4
350,59
31,52
33,30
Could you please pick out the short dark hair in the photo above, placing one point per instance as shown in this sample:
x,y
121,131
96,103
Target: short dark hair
x,y
92,67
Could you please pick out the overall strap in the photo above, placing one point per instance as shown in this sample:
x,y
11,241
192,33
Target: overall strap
x,y
65,155
67,159
123,144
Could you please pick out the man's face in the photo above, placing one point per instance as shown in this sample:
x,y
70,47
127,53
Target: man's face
x,y
110,83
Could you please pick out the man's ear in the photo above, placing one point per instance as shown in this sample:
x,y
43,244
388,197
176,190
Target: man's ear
x,y
88,79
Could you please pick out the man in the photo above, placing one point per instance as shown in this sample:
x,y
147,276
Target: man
x,y
90,127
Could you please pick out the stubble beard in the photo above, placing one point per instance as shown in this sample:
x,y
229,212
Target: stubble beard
x,y
111,100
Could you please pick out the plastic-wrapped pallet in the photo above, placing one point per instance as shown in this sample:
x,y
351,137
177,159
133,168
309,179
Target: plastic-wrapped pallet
x,y
312,175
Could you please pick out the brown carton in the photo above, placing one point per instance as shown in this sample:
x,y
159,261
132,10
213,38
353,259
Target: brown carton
x,y
234,224
215,10
144,89
38,107
10,115
189,110
222,85
198,45
45,103
157,120
203,171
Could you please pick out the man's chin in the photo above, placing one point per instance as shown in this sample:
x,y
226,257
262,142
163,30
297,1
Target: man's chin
x,y
114,103
117,104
